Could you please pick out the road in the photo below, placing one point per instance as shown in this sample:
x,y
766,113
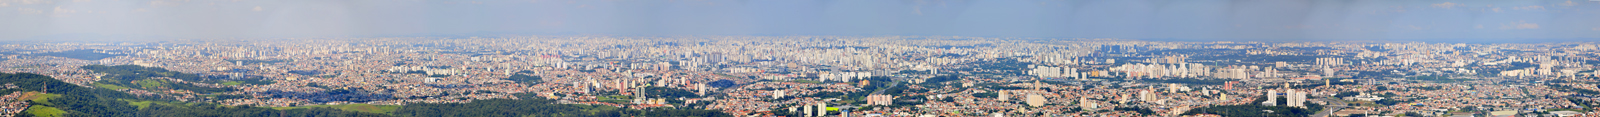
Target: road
x,y
891,85
1333,106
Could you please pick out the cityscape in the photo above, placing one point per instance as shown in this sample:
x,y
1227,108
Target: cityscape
x,y
847,75
799,58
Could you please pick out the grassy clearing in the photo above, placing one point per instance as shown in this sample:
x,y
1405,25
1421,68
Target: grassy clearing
x,y
140,104
109,86
145,103
232,83
149,83
45,111
383,109
40,97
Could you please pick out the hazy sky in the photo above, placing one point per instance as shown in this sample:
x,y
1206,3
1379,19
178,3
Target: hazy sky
x,y
1429,20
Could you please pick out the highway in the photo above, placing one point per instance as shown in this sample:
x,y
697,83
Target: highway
x,y
1333,106
891,85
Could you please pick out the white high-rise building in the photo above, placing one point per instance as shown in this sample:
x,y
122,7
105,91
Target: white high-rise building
x,y
1327,72
777,94
1232,73
1268,72
880,100
1272,98
701,87
1329,61
1005,96
1145,96
1296,98
1035,100
808,110
822,109
1086,104
1053,72
1289,94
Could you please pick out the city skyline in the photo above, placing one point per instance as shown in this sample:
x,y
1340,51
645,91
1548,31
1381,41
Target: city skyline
x,y
815,58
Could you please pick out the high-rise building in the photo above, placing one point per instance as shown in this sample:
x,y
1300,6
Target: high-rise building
x,y
1005,96
777,94
1035,100
1145,96
1268,72
1086,104
1296,98
1329,61
1289,94
1229,85
822,109
1272,98
808,110
1327,72
701,87
880,100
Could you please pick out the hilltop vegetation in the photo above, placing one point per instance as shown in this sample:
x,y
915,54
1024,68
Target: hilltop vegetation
x,y
71,100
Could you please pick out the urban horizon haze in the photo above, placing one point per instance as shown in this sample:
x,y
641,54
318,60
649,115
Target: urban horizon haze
x,y
1185,20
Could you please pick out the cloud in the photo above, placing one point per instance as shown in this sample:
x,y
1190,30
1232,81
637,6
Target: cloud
x,y
1528,8
258,8
29,11
164,3
1527,26
1448,5
1519,25
59,10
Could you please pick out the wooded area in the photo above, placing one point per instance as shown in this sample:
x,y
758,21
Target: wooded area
x,y
80,101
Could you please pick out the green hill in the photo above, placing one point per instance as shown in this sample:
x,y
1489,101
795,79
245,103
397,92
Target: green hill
x,y
66,99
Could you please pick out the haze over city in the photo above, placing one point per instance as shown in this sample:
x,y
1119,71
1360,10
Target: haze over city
x,y
1189,20
780,58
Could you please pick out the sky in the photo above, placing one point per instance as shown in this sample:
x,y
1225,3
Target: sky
x,y
1198,20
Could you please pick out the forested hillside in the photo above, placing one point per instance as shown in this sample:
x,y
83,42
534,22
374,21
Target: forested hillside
x,y
77,101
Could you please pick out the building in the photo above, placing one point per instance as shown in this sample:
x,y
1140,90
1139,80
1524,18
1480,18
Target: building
x,y
1329,61
880,100
1145,96
822,109
1035,100
777,94
808,110
1005,96
1295,98
1086,104
1272,98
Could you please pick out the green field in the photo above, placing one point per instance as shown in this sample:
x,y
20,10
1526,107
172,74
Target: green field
x,y
232,83
45,111
43,97
140,104
149,83
145,103
109,86
384,109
